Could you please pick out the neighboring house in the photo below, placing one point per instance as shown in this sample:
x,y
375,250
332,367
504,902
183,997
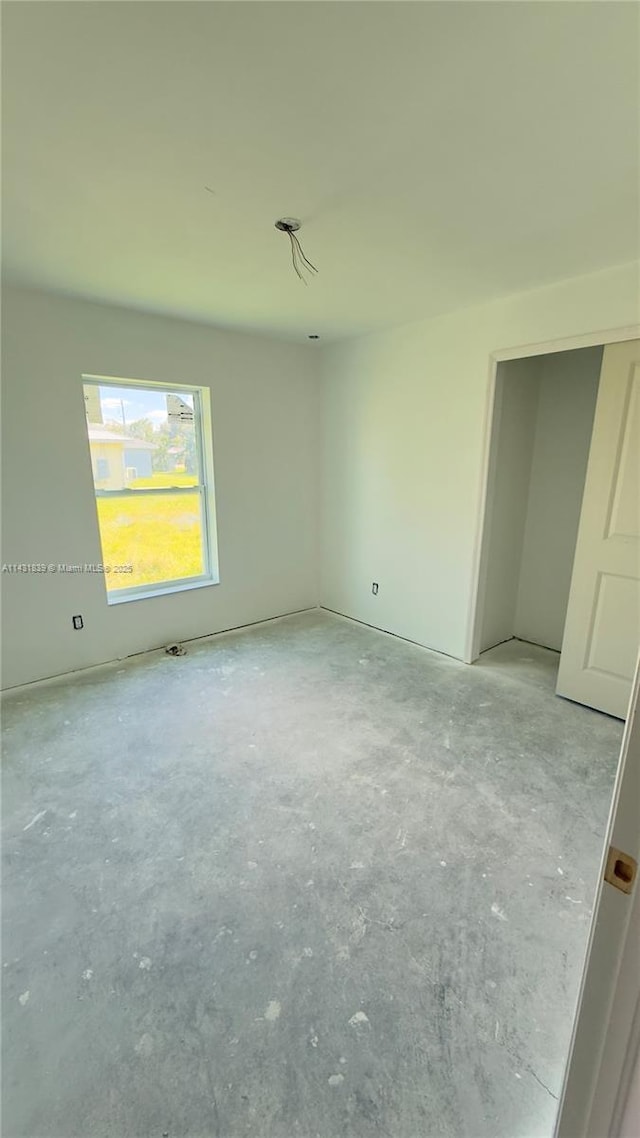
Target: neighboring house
x,y
118,459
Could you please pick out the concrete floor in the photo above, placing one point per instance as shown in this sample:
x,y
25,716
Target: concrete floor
x,y
308,880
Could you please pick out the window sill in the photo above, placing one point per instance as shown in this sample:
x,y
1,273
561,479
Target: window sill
x,y
141,593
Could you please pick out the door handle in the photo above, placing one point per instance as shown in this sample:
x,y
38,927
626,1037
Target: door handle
x,y
620,870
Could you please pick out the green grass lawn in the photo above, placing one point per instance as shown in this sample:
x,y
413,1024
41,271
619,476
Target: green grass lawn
x,y
171,478
159,535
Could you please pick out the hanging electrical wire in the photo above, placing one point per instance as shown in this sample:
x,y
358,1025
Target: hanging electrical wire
x,y
299,260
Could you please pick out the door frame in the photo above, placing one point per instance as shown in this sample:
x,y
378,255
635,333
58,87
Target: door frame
x,y
523,351
604,1053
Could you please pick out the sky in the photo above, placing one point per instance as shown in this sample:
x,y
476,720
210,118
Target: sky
x,y
138,403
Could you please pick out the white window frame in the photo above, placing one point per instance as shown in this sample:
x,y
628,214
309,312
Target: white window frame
x,y
204,450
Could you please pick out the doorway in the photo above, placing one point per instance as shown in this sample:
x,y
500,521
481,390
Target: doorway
x,y
560,551
543,417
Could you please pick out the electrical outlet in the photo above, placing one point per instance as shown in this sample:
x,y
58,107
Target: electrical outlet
x,y
78,622
374,588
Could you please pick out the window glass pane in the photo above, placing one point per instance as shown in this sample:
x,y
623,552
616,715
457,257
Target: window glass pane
x,y
159,535
140,438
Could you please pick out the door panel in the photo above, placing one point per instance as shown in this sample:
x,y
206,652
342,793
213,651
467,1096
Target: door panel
x,y
602,630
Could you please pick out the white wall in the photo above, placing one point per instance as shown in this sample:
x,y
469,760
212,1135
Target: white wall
x,y
568,389
512,446
404,422
264,397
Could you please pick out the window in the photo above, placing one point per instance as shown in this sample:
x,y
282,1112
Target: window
x,y
152,469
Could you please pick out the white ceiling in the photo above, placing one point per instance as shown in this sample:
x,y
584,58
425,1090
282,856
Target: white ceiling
x,y
439,154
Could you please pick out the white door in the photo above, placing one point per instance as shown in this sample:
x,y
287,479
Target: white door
x,y
602,630
597,1096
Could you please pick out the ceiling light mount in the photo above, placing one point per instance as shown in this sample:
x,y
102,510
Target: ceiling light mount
x,y
290,226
